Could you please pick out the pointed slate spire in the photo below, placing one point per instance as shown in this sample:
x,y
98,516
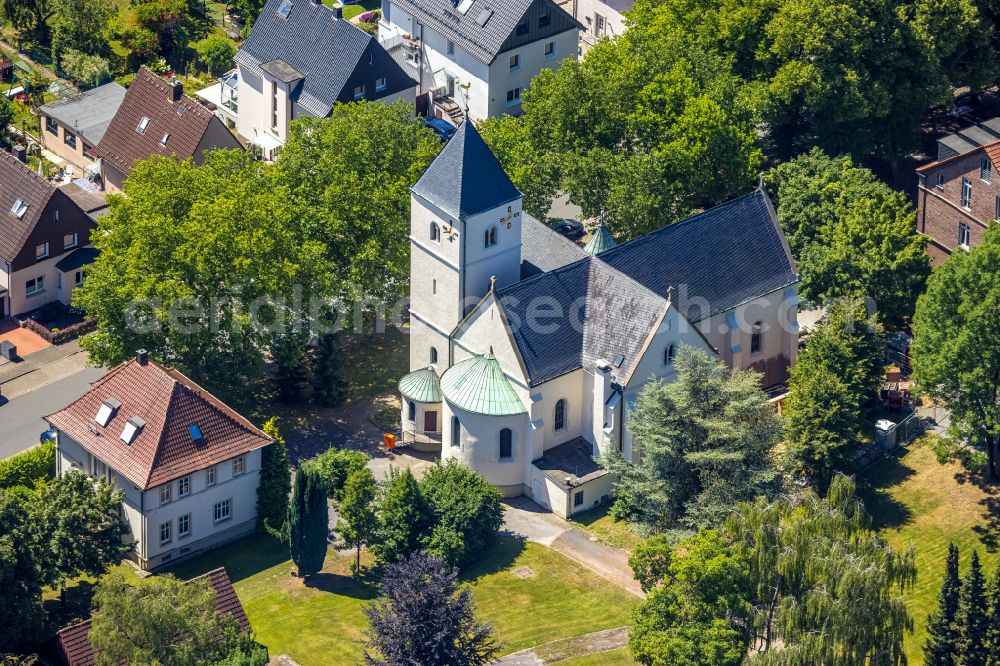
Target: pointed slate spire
x,y
600,241
466,178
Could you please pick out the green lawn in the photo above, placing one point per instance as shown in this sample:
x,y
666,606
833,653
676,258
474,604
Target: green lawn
x,y
615,533
355,8
322,623
619,657
914,500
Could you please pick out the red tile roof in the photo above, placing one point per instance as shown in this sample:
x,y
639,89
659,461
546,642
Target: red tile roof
x,y
168,403
149,96
73,642
17,181
992,151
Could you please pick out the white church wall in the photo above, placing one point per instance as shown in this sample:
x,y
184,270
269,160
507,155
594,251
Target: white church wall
x,y
485,329
502,260
777,313
570,387
479,446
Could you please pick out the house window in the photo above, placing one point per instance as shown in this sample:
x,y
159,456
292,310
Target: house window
x,y
434,286
544,20
669,354
515,62
184,486
51,127
165,532
239,465
210,476
36,286
522,28
964,234
601,24
514,97
78,278
19,208
985,169
451,47
578,498
996,211
456,432
222,510
380,84
490,237
143,124
411,411
550,50
560,415
166,137
98,469
69,139
435,232
940,181
55,215
359,92
966,193
165,494
42,251
274,105
756,338
70,241
434,355
506,444
184,525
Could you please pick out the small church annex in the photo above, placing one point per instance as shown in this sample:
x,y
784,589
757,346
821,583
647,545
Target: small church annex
x,y
527,351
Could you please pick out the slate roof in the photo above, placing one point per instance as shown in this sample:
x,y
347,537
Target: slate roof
x,y
17,181
148,97
724,256
78,258
543,248
168,402
598,314
89,113
479,385
573,460
73,642
465,178
311,45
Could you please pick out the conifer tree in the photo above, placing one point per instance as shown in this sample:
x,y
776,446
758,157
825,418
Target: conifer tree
x,y
327,384
940,648
275,480
972,617
403,518
992,647
308,522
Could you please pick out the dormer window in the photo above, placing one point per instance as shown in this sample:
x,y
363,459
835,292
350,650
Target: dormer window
x,y
19,208
107,411
166,136
132,428
544,20
195,431
143,124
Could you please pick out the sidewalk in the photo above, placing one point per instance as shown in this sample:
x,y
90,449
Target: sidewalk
x,y
41,368
567,648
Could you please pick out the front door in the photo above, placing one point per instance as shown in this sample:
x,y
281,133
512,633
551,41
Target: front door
x,y
430,421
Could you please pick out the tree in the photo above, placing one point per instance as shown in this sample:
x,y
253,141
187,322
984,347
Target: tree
x,y
334,466
993,617
402,517
22,616
29,18
852,236
217,53
275,480
308,522
941,647
425,617
703,443
328,386
466,512
959,35
357,511
160,620
650,560
6,121
840,370
956,343
88,70
79,526
693,617
81,25
972,618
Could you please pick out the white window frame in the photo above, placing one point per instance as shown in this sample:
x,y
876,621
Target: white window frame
x,y
184,526
184,486
167,528
549,50
985,170
515,62
940,181
210,475
166,494
381,84
239,465
227,505
966,193
35,286
514,97
73,243
42,251
359,92
964,235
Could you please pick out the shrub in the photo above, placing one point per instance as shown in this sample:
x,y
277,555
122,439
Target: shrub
x,y
334,466
216,52
33,465
466,512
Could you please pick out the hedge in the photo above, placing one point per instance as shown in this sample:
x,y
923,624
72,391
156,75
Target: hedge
x,y
60,335
32,465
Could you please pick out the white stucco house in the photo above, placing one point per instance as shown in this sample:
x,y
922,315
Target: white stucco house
x,y
599,18
489,50
188,464
527,351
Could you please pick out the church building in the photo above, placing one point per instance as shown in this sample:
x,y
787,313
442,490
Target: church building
x,y
527,351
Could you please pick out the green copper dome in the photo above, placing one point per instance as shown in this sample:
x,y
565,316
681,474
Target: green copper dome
x,y
600,241
478,385
421,385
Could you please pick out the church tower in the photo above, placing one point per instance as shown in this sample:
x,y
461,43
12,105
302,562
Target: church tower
x,y
465,229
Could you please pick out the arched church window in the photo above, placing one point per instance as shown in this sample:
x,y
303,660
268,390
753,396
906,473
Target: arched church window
x,y
434,355
506,444
435,232
493,236
411,411
490,237
560,415
669,354
456,432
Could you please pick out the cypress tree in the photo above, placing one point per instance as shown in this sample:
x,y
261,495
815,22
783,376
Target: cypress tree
x,y
275,484
992,647
308,522
940,648
972,617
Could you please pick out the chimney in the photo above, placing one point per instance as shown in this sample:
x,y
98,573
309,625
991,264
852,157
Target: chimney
x,y
175,90
142,356
338,12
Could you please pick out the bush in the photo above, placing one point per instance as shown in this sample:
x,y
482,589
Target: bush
x,y
33,465
87,70
466,512
334,466
125,80
216,52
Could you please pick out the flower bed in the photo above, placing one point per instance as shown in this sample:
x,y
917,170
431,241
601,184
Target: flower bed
x,y
56,324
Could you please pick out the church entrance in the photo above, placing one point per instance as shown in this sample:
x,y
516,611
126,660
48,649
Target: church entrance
x,y
430,421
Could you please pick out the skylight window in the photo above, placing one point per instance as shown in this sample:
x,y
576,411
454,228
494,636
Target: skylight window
x,y
131,429
107,411
181,109
285,9
19,208
195,431
143,124
163,141
464,5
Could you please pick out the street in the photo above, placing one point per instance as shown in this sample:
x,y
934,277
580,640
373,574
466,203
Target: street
x,y
21,418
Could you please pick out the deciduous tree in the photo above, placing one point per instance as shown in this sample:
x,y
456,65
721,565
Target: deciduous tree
x,y
466,512
334,466
21,613
357,512
403,517
217,53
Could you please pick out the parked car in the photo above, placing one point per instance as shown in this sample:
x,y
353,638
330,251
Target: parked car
x,y
442,128
47,435
572,229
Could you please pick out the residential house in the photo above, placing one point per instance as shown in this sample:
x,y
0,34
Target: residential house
x,y
599,18
222,97
300,59
71,127
157,118
958,194
477,53
71,645
44,240
188,464
527,352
